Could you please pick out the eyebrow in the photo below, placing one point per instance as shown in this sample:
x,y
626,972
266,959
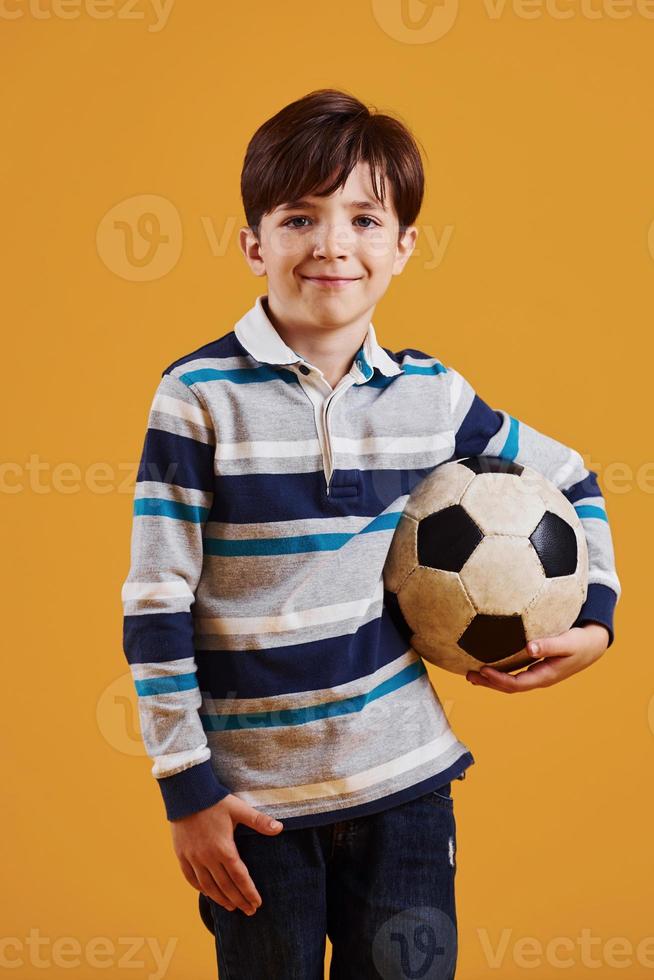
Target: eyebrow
x,y
292,205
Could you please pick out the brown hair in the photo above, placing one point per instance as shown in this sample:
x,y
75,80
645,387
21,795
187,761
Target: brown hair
x,y
298,149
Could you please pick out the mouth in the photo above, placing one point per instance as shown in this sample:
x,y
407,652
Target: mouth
x,y
331,282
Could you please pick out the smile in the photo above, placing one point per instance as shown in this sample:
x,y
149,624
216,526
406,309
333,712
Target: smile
x,y
330,283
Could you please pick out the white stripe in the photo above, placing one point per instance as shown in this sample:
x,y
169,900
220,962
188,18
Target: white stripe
x,y
393,444
592,501
170,765
283,449
456,389
155,590
181,410
173,492
573,467
166,668
237,625
359,781
268,449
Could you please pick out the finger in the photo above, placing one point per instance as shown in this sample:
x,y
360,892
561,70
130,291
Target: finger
x,y
189,873
549,646
216,893
240,876
540,674
214,885
483,680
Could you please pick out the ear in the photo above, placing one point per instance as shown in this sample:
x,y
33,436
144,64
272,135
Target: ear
x,y
251,249
405,246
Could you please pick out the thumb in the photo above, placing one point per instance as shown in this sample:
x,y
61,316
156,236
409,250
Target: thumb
x,y
259,821
547,646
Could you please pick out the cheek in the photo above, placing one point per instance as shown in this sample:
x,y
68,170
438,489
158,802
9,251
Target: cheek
x,y
285,249
378,251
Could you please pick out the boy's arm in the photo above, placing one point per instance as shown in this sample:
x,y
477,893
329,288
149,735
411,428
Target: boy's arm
x,y
483,431
172,500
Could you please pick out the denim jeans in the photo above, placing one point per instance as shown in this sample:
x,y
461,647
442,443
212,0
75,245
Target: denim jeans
x,y
381,886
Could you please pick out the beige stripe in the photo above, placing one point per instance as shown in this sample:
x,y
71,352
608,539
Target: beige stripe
x,y
289,621
351,784
181,410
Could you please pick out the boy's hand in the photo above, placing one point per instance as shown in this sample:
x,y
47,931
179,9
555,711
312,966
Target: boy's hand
x,y
563,655
206,850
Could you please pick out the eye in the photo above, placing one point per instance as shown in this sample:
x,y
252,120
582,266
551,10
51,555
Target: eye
x,y
366,217
297,218
289,222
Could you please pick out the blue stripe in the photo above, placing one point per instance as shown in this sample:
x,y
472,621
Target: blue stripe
x,y
296,543
158,507
261,497
429,369
157,637
269,670
588,487
239,376
510,448
377,381
385,522
315,712
166,685
477,429
587,510
171,458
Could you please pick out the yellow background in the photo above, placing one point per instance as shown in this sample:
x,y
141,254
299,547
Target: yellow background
x,y
540,183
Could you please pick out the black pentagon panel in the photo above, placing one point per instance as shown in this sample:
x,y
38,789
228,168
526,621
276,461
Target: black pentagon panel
x,y
447,538
491,638
555,544
491,464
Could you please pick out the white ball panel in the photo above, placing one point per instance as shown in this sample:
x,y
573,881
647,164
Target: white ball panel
x,y
436,602
402,555
441,488
555,502
555,608
502,575
500,503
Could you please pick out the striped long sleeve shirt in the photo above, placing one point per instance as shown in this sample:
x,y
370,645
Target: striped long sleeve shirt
x,y
265,656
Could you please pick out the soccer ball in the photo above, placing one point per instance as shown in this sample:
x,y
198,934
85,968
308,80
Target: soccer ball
x,y
487,555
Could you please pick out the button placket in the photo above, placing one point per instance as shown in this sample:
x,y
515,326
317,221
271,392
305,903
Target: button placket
x,y
321,405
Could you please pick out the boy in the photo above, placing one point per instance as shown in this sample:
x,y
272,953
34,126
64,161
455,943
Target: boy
x,y
276,464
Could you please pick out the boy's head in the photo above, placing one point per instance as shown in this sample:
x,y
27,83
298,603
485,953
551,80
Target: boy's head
x,y
329,190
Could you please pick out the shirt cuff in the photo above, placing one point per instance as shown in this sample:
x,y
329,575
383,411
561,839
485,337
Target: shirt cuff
x,y
599,607
193,789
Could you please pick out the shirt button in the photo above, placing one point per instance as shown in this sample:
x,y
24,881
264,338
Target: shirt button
x,y
360,365
304,369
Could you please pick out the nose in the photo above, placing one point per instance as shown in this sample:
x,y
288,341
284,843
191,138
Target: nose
x,y
333,240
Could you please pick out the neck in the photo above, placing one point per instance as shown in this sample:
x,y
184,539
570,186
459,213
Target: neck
x,y
331,348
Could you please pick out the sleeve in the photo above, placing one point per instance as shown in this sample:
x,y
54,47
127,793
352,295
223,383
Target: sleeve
x,y
172,499
480,430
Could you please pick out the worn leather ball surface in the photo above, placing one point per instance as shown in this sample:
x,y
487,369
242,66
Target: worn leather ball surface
x,y
487,555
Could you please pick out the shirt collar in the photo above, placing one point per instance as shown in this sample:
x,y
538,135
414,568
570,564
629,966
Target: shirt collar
x,y
260,339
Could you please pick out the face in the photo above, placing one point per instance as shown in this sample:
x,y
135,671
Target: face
x,y
329,259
